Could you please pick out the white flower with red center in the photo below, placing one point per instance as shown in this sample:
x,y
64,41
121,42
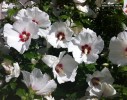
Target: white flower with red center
x,y
64,67
86,46
100,83
40,83
105,90
12,71
37,16
59,35
19,34
99,77
118,49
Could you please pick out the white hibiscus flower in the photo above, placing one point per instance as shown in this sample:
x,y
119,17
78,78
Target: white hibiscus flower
x,y
38,82
105,90
100,84
37,16
12,71
19,34
59,35
99,77
86,46
118,49
64,67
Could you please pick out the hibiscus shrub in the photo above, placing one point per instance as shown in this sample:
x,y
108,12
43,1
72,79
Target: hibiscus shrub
x,y
63,49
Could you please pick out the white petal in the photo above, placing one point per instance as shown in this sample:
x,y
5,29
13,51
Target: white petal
x,y
10,32
49,88
43,32
69,65
91,58
61,54
49,60
18,45
116,54
52,40
98,44
108,90
38,80
26,77
8,78
20,26
94,92
36,73
76,53
108,77
16,69
20,14
32,28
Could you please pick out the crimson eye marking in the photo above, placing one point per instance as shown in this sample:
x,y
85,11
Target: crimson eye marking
x,y
59,68
86,49
60,36
24,36
95,81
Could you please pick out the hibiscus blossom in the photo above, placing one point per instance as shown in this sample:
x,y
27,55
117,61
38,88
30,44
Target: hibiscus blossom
x,y
12,71
64,67
118,49
100,84
19,34
86,46
59,35
99,77
37,16
40,83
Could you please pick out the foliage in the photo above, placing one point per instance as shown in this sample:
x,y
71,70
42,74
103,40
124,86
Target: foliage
x,y
108,23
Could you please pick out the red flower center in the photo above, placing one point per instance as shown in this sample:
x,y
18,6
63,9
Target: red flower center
x,y
86,49
95,81
125,52
24,36
35,21
59,68
60,36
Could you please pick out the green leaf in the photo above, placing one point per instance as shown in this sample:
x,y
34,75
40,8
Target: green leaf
x,y
123,69
21,92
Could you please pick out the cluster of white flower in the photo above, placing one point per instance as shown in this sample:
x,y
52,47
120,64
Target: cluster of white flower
x,y
83,43
100,84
